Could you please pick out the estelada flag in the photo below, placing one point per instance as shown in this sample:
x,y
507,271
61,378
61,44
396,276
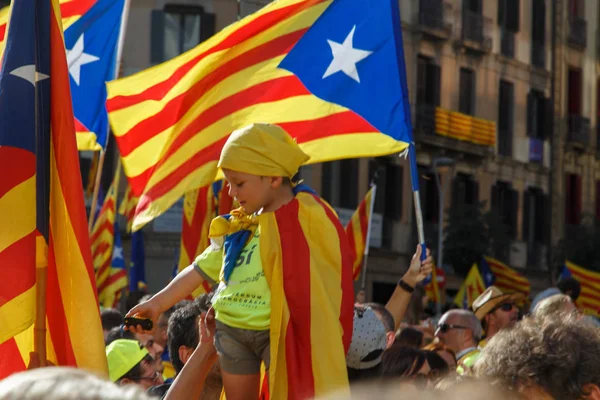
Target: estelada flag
x,y
471,288
44,223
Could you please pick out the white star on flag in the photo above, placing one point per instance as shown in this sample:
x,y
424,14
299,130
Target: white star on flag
x,y
345,57
29,73
76,57
117,253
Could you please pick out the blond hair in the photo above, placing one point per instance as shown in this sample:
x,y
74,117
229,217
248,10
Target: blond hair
x,y
61,383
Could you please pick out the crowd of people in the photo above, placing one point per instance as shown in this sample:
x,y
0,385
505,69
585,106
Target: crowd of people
x,y
277,294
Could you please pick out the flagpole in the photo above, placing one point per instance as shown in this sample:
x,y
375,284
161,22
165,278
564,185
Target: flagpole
x,y
100,166
368,239
414,176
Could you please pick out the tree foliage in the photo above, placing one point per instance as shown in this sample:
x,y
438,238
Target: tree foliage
x,y
581,245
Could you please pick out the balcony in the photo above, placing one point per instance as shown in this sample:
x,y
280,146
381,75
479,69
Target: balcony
x,y
425,118
579,131
577,32
507,43
431,19
538,55
474,32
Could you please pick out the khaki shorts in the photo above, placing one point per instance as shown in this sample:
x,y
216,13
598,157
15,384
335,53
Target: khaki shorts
x,y
242,350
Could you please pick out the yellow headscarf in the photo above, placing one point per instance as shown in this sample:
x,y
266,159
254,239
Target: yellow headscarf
x,y
263,150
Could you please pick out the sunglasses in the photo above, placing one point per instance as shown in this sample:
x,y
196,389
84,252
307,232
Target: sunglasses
x,y
444,328
506,307
153,378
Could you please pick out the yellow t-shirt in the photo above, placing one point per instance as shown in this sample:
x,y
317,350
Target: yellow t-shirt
x,y
244,302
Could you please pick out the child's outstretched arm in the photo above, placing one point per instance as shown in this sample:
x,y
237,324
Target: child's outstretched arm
x,y
178,289
416,273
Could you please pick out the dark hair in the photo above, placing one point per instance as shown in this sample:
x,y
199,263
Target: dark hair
x,y
570,284
410,337
135,373
118,333
203,302
111,318
384,315
360,375
182,331
402,361
437,363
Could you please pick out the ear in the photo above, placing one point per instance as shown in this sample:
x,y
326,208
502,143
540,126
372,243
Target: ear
x,y
125,381
594,391
390,337
185,353
276,181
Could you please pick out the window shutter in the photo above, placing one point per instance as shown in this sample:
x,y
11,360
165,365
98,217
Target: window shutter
x,y
568,200
531,114
546,118
512,15
527,195
157,37
578,199
436,84
598,200
421,80
207,26
542,216
494,199
501,12
514,208
393,184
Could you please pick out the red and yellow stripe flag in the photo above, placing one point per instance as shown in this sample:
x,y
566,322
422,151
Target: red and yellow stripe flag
x,y
432,286
471,288
171,121
309,270
507,279
44,221
198,212
357,231
589,299
103,232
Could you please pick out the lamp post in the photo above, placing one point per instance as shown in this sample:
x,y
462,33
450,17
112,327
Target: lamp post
x,y
436,166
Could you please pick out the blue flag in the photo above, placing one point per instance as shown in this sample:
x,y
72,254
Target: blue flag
x,y
91,44
137,270
353,56
486,273
118,261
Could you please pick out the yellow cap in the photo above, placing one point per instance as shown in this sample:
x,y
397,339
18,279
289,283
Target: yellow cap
x,y
264,150
122,356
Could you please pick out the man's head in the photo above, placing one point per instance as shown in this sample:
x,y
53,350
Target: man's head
x,y
496,310
258,162
554,305
183,334
373,333
145,340
459,330
160,335
129,363
569,286
111,318
558,356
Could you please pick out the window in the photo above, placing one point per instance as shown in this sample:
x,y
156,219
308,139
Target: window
x,y
508,20
339,183
535,215
177,29
389,197
505,202
573,199
577,8
505,118
539,115
538,33
473,6
574,95
465,191
598,200
467,91
429,196
428,94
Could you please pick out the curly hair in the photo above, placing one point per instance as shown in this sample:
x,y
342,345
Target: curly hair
x,y
560,354
552,305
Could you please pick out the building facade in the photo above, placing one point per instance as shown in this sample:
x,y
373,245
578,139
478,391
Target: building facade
x,y
485,93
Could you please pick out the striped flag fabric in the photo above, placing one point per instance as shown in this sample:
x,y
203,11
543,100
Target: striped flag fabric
x,y
224,201
41,201
109,292
198,212
471,288
505,278
103,233
434,285
589,299
171,121
127,207
357,231
311,324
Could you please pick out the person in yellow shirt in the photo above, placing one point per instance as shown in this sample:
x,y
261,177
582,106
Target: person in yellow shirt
x,y
273,286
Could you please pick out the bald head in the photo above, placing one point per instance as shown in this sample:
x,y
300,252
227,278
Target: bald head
x,y
459,330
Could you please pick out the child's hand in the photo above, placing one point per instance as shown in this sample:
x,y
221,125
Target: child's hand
x,y
148,309
418,270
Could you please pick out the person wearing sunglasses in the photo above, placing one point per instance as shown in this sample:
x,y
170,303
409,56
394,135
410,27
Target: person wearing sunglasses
x,y
496,311
460,331
130,363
